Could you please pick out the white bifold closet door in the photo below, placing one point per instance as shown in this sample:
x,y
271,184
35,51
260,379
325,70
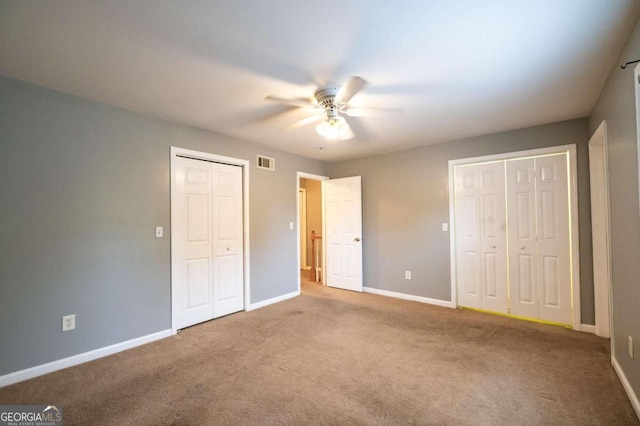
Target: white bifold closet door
x,y
481,237
539,238
208,257
528,273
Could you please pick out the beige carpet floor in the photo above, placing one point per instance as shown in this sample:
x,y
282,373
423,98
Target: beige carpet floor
x,y
332,357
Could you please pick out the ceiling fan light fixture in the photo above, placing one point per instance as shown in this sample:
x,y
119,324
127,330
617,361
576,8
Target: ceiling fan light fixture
x,y
331,102
333,128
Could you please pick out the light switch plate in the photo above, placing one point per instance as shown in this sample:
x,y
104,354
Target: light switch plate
x,y
445,227
290,225
159,232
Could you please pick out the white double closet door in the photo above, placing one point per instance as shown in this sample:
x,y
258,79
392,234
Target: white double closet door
x,y
513,237
208,239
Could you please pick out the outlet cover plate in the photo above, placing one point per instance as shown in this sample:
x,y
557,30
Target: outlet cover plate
x,y
68,322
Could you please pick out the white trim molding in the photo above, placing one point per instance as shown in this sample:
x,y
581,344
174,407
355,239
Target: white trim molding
x,y
302,234
633,398
600,228
273,300
636,80
588,328
50,367
404,296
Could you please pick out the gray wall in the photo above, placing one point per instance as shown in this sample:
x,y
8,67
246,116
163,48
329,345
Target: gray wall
x,y
617,105
82,186
406,200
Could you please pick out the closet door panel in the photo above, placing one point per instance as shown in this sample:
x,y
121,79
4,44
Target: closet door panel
x,y
468,255
493,238
522,230
554,263
481,237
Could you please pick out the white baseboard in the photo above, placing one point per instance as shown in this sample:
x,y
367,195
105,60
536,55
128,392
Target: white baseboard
x,y
268,302
437,302
588,328
627,386
50,367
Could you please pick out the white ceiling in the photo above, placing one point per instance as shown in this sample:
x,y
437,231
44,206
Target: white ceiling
x,y
457,68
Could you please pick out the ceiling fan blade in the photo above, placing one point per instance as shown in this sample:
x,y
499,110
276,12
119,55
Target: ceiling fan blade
x,y
305,121
349,89
373,112
295,102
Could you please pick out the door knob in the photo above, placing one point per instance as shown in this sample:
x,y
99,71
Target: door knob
x,y
521,247
493,246
356,239
228,249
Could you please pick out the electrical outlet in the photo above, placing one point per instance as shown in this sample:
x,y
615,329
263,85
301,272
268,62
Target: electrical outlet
x,y
631,347
68,322
407,275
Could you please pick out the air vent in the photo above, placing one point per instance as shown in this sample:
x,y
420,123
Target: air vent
x,y
266,163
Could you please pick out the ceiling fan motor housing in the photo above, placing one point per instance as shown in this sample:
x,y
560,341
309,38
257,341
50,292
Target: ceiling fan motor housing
x,y
326,99
326,95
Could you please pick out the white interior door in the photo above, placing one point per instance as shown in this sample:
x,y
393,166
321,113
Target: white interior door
x,y
514,236
208,252
481,237
523,249
467,220
193,238
539,238
493,242
554,260
343,201
228,290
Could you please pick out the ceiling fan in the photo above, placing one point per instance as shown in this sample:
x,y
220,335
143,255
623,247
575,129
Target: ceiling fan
x,y
331,106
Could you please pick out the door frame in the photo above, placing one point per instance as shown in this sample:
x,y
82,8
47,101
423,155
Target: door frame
x,y
305,175
600,228
206,156
302,206
573,212
636,84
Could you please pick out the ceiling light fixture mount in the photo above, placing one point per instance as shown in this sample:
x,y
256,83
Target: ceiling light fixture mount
x,y
334,127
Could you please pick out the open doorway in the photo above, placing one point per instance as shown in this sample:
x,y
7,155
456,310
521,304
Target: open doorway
x,y
335,257
310,228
